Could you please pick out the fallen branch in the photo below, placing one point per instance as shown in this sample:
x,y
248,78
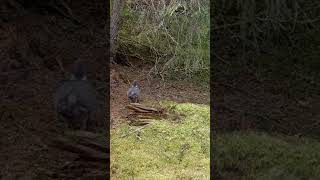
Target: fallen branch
x,y
143,109
141,115
89,146
83,151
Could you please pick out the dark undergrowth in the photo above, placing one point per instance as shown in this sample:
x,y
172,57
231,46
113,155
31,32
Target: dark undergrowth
x,y
266,89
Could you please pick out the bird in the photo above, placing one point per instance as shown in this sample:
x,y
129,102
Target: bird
x,y
133,92
79,71
75,99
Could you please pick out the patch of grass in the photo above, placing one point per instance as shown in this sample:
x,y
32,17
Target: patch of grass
x,y
261,156
165,149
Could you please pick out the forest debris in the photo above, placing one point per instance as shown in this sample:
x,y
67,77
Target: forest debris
x,y
143,109
141,115
145,112
82,143
84,152
89,139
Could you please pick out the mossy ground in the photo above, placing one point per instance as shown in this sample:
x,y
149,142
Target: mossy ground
x,y
165,149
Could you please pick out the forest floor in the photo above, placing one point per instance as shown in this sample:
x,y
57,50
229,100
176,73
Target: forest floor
x,y
152,89
169,143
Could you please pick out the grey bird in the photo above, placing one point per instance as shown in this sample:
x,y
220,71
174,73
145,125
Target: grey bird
x,y
75,99
134,92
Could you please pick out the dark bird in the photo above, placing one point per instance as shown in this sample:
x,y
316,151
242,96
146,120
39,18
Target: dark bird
x,y
75,99
134,92
79,71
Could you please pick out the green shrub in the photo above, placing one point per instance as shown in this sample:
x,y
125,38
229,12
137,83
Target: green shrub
x,y
173,35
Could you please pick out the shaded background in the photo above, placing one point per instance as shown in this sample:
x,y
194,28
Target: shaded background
x,y
265,87
266,65
39,42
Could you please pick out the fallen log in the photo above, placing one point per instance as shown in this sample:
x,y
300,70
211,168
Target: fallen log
x,y
141,115
84,151
143,109
87,145
96,141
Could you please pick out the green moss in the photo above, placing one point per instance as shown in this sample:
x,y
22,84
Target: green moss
x,y
166,150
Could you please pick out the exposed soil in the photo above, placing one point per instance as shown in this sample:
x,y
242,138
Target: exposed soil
x,y
152,90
